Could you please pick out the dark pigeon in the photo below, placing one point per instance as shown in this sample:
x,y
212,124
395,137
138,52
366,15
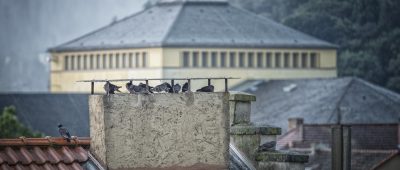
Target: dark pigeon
x,y
176,88
143,86
164,87
209,88
64,133
133,89
268,146
111,88
185,87
170,89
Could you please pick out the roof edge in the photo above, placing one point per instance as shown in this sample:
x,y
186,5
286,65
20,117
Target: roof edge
x,y
47,141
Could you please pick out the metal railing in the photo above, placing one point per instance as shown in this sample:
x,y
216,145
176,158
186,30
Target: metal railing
x,y
189,81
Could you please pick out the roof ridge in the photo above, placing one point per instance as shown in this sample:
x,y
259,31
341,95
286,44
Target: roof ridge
x,y
379,90
172,25
53,49
47,141
337,106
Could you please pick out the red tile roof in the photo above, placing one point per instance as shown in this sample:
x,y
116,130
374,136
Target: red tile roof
x,y
43,153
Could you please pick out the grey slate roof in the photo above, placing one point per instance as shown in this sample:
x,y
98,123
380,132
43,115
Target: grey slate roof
x,y
42,112
193,23
322,101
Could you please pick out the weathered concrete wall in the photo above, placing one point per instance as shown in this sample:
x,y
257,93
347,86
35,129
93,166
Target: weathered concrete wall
x,y
161,131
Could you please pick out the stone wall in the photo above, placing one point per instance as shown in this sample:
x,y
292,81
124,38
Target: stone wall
x,y
160,131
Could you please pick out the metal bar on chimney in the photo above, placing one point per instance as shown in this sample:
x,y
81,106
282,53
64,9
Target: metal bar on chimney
x,y
209,82
226,85
147,85
92,87
189,84
195,78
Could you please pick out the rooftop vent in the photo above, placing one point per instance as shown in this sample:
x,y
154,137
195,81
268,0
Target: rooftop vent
x,y
289,88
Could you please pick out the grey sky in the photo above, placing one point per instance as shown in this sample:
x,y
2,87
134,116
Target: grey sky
x,y
29,27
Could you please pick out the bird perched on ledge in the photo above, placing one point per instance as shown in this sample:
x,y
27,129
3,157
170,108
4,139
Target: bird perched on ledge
x,y
209,88
268,146
111,88
64,133
164,87
185,87
176,88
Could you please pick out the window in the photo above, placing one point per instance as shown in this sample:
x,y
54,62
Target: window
x,y
313,60
185,59
79,62
98,61
277,60
137,60
268,60
91,61
223,59
84,62
204,56
241,59
72,62
295,60
195,61
111,58
214,59
144,59
117,60
130,60
259,59
286,60
304,60
250,59
123,60
66,62
232,59
104,61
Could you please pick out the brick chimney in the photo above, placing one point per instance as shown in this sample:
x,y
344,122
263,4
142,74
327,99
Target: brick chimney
x,y
160,131
294,123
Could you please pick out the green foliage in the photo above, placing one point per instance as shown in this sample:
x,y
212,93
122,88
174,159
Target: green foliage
x,y
367,31
10,127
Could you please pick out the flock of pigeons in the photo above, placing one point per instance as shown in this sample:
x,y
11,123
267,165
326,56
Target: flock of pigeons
x,y
162,88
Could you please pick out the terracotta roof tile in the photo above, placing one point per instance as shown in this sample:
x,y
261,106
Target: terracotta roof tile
x,y
43,153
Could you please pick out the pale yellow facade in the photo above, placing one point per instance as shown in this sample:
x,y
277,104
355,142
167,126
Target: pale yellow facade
x,y
246,63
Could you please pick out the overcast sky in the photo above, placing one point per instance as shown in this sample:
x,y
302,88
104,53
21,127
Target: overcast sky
x,y
29,27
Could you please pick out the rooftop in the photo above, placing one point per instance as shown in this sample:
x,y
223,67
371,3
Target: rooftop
x,y
322,101
44,153
193,23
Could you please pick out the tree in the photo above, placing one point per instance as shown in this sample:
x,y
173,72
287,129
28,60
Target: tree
x,y
11,127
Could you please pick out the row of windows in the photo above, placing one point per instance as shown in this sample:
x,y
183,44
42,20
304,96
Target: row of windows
x,y
250,59
105,61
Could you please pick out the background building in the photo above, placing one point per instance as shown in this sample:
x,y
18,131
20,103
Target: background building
x,y
191,39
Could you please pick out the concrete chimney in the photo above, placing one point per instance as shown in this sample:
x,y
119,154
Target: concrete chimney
x,y
160,131
294,123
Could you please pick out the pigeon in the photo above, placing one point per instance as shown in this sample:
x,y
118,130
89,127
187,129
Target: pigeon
x,y
64,133
176,88
111,88
170,89
268,146
162,87
209,88
185,87
133,89
144,87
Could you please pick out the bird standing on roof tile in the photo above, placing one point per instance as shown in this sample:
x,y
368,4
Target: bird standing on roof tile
x,y
133,89
185,87
209,88
268,146
111,88
64,133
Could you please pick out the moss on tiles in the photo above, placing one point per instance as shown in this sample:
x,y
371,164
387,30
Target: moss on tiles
x,y
277,156
252,130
